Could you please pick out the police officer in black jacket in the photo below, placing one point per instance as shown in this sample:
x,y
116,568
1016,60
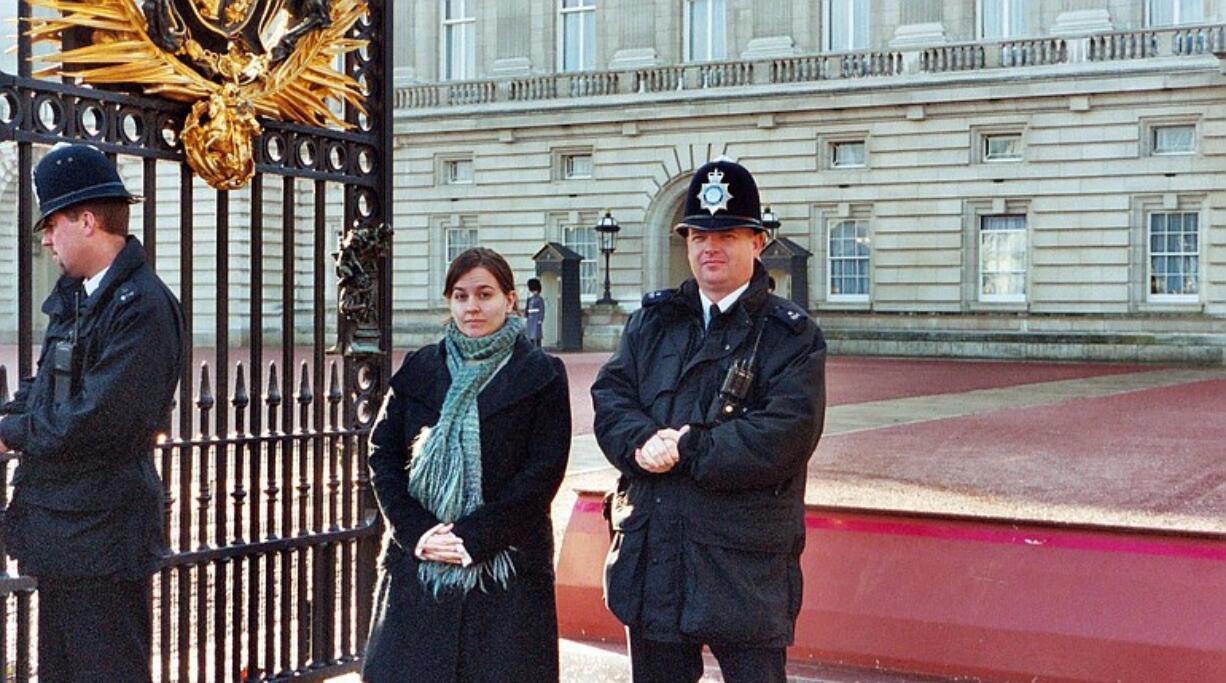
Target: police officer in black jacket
x,y
86,514
711,409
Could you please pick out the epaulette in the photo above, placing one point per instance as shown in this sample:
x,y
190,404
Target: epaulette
x,y
124,294
792,316
658,296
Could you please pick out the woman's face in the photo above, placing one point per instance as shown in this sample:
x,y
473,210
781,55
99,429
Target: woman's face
x,y
478,305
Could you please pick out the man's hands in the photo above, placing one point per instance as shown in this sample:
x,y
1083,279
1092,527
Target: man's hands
x,y
440,545
659,454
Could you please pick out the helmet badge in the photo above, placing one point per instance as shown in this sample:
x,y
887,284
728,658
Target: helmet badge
x,y
714,195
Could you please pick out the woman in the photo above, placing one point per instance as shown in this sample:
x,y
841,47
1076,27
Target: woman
x,y
466,456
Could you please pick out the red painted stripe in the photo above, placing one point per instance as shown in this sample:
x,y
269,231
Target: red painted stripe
x,y
582,505
1111,542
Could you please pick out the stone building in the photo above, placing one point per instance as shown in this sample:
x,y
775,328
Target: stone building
x,y
1016,178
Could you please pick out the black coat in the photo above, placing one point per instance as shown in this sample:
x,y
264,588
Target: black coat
x,y
709,551
87,499
501,634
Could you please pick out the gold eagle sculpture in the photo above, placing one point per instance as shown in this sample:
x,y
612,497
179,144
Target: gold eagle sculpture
x,y
233,60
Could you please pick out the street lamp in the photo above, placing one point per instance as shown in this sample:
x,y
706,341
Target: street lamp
x,y
607,229
770,222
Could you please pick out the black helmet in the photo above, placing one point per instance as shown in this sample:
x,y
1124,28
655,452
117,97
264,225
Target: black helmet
x,y
71,174
722,196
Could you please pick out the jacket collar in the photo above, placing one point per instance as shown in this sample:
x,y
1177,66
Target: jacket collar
x,y
130,258
745,308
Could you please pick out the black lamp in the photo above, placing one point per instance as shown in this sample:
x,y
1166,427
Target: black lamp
x,y
770,222
607,229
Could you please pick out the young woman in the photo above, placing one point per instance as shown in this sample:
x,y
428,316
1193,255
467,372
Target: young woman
x,y
466,456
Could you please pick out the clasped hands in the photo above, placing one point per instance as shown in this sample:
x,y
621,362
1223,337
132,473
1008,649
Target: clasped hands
x,y
659,454
441,545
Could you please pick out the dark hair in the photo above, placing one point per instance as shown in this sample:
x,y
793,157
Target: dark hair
x,y
480,257
534,285
112,214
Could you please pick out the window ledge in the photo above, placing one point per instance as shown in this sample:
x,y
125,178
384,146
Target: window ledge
x,y
1000,306
1171,307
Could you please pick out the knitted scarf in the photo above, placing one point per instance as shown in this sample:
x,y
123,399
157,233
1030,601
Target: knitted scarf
x,y
445,468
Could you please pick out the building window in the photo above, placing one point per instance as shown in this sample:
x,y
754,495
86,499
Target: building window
x,y
849,154
576,166
1160,13
459,41
1174,256
582,239
577,27
1002,258
458,171
847,24
1173,139
1002,147
460,240
1003,18
706,30
848,257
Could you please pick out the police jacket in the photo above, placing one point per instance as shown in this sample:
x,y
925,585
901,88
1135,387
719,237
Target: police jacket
x,y
87,500
709,551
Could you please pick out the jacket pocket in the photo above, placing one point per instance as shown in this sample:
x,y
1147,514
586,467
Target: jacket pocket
x,y
738,595
623,575
70,543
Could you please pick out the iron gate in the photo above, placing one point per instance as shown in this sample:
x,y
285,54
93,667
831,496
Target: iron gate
x,y
269,514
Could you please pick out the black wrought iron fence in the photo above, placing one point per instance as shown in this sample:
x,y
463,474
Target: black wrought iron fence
x,y
271,524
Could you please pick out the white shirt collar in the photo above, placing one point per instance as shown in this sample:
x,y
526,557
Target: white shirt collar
x,y
91,284
724,303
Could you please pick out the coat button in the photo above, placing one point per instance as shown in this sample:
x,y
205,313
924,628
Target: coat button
x,y
727,347
657,501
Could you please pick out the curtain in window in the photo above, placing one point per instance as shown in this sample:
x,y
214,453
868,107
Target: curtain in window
x,y
1004,18
578,34
1002,257
459,41
1172,12
582,239
849,258
1174,253
848,28
708,30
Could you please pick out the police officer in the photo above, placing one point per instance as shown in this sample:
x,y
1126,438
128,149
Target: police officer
x,y
710,409
86,514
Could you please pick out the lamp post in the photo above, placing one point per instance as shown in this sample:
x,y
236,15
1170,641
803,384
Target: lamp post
x,y
606,229
770,222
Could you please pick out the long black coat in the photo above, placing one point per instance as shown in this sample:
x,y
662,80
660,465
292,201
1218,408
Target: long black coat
x,y
502,634
709,551
87,500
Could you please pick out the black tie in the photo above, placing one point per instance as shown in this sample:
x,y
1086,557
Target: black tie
x,y
714,314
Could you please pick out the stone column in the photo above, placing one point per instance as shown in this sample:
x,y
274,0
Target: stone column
x,y
635,31
511,58
773,23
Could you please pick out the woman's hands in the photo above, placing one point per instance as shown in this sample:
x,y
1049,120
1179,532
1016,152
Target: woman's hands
x,y
440,545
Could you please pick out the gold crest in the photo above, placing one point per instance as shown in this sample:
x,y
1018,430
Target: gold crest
x,y
233,60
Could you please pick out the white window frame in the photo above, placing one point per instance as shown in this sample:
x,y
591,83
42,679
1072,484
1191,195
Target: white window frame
x,y
450,177
586,6
1007,9
466,226
834,153
589,268
466,28
831,224
979,142
568,171
979,266
1153,139
687,31
828,34
1149,254
986,156
1177,19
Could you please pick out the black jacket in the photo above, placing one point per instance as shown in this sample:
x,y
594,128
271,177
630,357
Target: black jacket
x,y
87,499
525,441
710,550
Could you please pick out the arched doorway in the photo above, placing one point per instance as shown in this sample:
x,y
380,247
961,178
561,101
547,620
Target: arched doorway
x,y
664,262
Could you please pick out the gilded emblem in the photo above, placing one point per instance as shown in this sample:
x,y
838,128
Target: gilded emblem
x,y
233,60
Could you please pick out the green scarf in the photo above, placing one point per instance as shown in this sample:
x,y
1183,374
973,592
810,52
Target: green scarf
x,y
445,469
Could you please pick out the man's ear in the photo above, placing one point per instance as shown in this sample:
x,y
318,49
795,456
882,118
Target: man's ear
x,y
89,222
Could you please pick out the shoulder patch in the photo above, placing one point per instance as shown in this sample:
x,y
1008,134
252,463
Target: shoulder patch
x,y
658,296
791,315
124,294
